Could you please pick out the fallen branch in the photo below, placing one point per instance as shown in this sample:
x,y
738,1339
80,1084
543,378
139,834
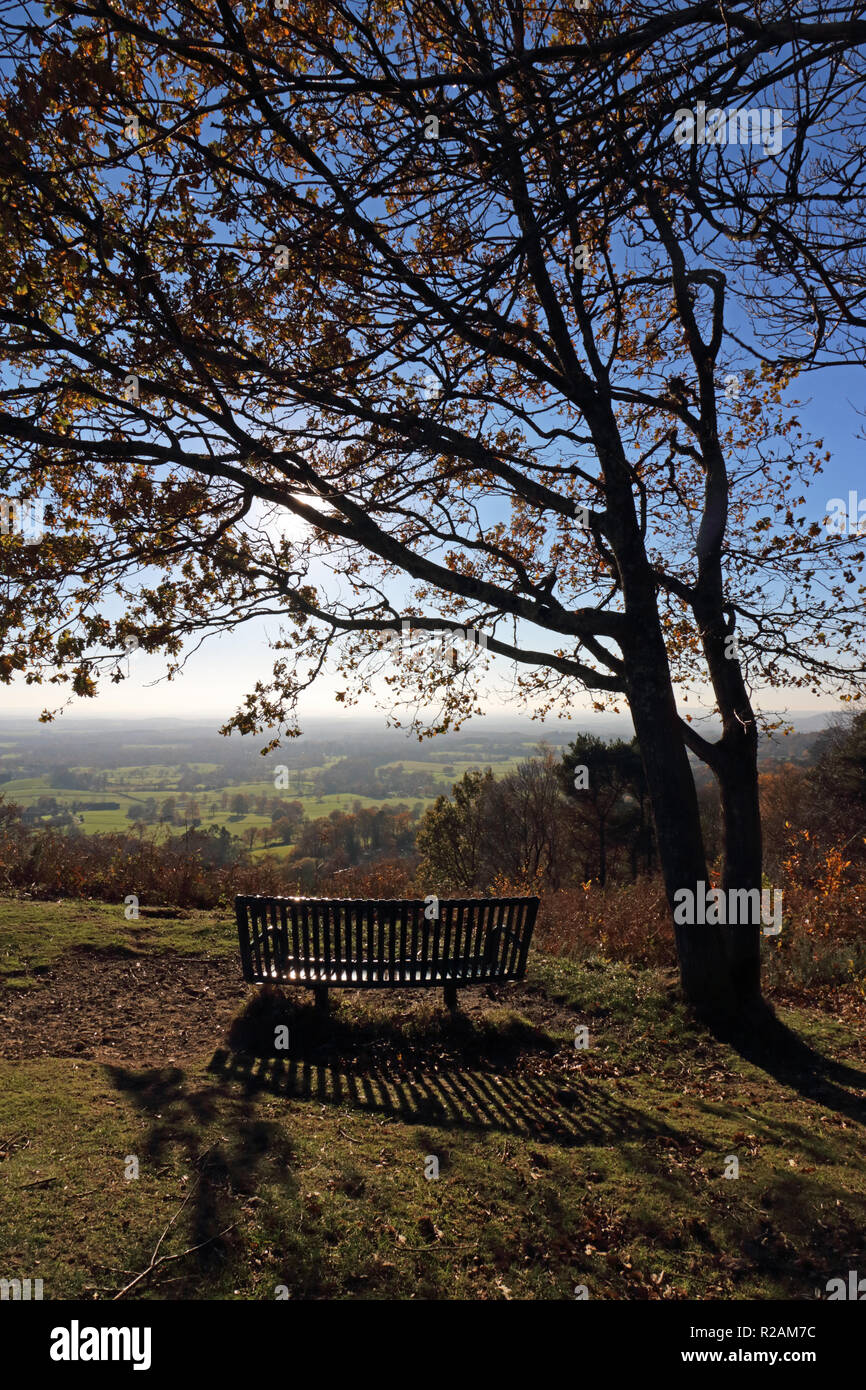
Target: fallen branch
x,y
167,1259
157,1260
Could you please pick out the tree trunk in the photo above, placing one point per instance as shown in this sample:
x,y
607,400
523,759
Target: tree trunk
x,y
719,967
734,761
704,969
741,820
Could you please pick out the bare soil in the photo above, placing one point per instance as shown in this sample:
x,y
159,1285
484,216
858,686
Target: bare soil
x,y
109,1007
170,1009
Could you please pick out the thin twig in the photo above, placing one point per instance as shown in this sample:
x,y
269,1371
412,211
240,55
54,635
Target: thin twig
x,y
167,1259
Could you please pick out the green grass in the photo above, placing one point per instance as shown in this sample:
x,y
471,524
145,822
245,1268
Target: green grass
x,y
273,851
557,1167
33,935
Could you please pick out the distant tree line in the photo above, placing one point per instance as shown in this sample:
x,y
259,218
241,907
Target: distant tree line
x,y
367,776
585,816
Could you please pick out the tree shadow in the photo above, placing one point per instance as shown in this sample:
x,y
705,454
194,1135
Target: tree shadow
x,y
443,1073
779,1231
247,1152
776,1049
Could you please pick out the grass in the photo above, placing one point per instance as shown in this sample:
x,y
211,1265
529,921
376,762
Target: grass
x,y
304,1169
34,935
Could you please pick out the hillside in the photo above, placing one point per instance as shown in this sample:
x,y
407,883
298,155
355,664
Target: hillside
x,y
302,1173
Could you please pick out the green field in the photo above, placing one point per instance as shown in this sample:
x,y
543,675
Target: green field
x,y
34,935
132,786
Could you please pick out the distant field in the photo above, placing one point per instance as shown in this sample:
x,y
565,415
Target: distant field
x,y
436,771
132,785
272,851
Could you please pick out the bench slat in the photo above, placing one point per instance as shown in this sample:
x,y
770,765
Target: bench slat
x,y
446,912
363,951
412,908
515,924
390,913
510,943
269,928
327,916
457,950
281,945
320,927
296,915
503,944
480,914
527,918
305,933
377,928
400,928
467,946
493,941
256,936
436,946
426,937
371,924
384,942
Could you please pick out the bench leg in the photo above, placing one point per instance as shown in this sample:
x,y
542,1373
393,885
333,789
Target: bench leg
x,y
451,996
320,994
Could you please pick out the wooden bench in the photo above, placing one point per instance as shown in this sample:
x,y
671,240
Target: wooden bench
x,y
352,943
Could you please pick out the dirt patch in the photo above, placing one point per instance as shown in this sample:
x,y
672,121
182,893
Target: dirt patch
x,y
169,1009
111,1007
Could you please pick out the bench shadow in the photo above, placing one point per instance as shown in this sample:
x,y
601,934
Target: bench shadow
x,y
545,1109
455,1071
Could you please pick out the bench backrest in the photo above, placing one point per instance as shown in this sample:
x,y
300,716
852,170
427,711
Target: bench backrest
x,y
388,940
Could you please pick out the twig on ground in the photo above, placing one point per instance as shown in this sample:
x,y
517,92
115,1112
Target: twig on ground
x,y
157,1260
167,1259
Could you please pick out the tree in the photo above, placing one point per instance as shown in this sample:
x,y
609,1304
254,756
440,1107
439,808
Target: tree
x,y
836,802
608,787
784,796
513,827
527,825
286,820
458,290
450,837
